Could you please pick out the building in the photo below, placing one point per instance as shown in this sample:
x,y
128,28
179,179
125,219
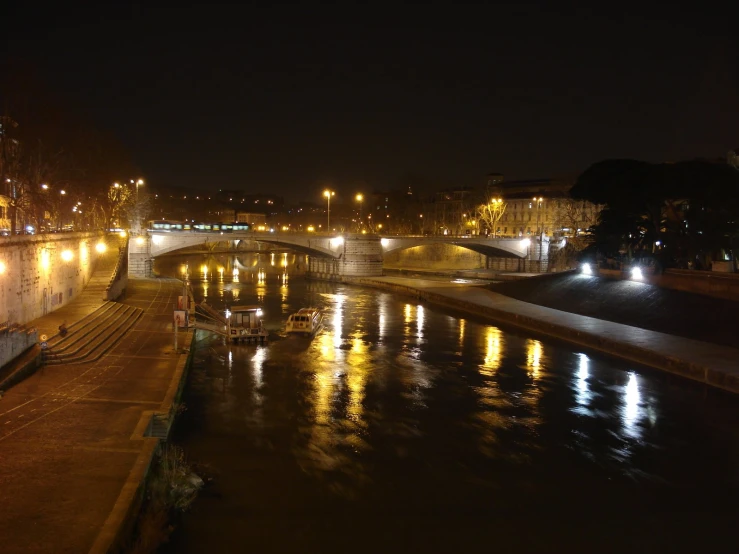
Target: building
x,y
541,207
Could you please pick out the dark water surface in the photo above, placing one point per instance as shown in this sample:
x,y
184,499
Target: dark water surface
x,y
400,428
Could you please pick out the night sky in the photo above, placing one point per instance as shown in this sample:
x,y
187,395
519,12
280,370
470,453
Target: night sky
x,y
290,100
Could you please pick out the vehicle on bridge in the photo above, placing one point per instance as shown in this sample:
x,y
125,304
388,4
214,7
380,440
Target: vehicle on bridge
x,y
184,226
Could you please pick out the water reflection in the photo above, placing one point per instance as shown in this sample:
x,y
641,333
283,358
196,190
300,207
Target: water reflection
x,y
631,411
534,352
583,396
493,346
364,411
338,319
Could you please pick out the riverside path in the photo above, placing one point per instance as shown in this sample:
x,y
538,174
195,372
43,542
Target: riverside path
x,y
72,436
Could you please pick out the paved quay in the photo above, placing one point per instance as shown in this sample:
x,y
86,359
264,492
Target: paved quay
x,y
72,439
711,364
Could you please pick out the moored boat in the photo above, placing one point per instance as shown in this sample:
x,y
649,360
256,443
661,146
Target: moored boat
x,y
245,324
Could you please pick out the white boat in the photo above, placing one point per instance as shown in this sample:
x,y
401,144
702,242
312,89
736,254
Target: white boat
x,y
305,321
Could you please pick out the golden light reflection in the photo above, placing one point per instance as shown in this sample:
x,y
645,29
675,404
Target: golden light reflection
x,y
235,293
338,320
462,323
84,252
204,270
258,361
493,347
356,379
284,260
220,273
408,312
205,289
2,268
324,385
534,352
272,259
420,318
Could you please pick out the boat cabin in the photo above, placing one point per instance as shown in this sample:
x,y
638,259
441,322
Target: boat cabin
x,y
245,324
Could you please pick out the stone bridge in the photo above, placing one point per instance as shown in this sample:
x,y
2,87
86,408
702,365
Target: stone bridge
x,y
330,256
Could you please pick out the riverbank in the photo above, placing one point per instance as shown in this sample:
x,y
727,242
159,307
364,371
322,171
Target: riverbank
x,y
78,440
633,303
711,364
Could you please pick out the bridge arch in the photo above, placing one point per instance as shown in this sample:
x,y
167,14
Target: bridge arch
x,y
324,246
494,247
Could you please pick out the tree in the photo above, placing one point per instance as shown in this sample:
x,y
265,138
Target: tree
x,y
490,212
643,204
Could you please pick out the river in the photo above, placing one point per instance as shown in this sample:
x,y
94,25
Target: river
x,y
400,427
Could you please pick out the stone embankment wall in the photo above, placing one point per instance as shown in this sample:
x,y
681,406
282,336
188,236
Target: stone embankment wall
x,y
14,342
118,282
39,274
708,283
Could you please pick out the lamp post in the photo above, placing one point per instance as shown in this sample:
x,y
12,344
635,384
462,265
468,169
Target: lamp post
x,y
539,232
360,199
328,194
138,182
61,197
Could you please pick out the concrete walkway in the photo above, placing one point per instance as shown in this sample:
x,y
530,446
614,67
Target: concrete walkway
x,y
72,439
708,363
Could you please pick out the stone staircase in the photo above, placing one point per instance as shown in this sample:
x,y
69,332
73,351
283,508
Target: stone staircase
x,y
92,336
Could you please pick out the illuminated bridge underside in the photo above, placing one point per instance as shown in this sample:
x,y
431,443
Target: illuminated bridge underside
x,y
330,257
506,248
164,243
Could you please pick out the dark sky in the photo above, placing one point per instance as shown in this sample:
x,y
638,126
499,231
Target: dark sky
x,y
292,99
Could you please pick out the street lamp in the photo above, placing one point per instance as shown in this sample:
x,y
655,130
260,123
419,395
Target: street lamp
x,y
328,194
139,182
539,231
61,197
360,199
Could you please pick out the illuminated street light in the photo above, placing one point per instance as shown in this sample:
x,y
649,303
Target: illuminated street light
x,y
61,194
67,255
139,182
360,199
45,187
328,194
101,247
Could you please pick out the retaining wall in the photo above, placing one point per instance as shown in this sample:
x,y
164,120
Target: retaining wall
x,y
41,273
708,283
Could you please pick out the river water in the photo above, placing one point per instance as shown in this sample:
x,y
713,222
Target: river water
x,y
400,427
